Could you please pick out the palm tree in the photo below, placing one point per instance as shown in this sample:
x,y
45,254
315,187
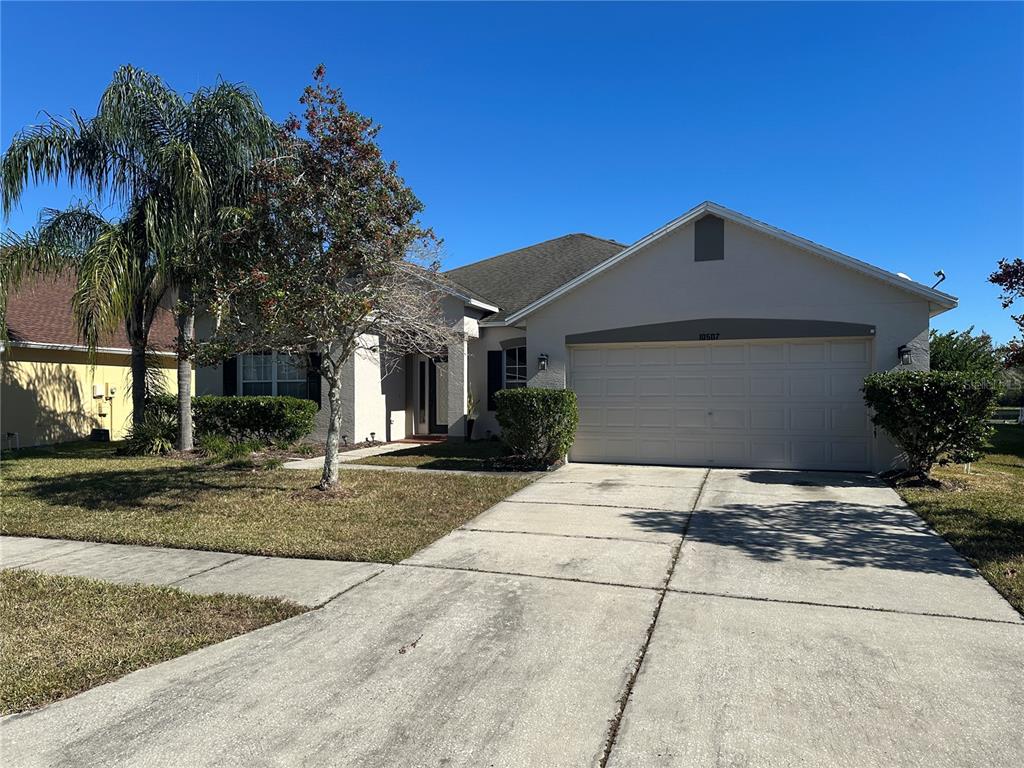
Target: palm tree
x,y
118,279
176,164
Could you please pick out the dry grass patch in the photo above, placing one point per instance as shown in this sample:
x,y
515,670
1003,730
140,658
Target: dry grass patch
x,y
982,513
64,634
86,492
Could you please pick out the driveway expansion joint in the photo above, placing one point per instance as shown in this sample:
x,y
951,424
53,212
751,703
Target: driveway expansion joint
x,y
843,607
520,575
622,483
616,722
585,504
636,539
350,588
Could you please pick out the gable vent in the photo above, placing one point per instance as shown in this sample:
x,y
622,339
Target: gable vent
x,y
709,239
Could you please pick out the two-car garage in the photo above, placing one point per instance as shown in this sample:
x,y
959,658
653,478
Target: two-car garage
x,y
718,340
793,403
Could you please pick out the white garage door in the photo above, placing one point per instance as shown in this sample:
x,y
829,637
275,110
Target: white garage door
x,y
784,404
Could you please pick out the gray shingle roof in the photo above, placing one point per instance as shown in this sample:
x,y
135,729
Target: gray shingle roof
x,y
517,278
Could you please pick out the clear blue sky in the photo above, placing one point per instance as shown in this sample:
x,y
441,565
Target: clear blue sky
x,y
892,133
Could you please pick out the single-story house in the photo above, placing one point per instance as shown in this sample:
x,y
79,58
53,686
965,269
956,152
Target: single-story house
x,y
50,391
715,340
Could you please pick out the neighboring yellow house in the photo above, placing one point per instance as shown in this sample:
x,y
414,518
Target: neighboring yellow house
x,y
50,392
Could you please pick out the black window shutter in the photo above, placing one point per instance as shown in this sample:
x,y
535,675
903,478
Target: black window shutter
x,y
494,377
313,379
231,376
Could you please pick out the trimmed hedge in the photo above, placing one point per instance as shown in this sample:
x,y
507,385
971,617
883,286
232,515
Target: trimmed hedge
x,y
935,417
245,418
538,425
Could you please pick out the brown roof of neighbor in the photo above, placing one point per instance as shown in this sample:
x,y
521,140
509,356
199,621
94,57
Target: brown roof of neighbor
x,y
39,311
515,279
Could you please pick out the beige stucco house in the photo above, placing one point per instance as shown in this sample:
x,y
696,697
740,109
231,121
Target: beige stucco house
x,y
715,340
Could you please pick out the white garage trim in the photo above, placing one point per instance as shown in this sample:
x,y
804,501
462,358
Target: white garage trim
x,y
783,403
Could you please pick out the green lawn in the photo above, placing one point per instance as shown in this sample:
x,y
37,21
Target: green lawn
x,y
85,491
982,514
480,455
64,634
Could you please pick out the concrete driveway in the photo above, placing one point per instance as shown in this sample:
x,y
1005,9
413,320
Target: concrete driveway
x,y
628,616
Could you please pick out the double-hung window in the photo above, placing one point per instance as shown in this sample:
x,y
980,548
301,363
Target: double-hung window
x,y
273,373
515,367
291,376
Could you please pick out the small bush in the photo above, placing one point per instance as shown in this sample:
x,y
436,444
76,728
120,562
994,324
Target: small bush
x,y
934,417
153,437
213,446
219,448
537,425
265,420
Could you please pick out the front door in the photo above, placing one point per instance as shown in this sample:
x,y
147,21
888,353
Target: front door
x,y
431,392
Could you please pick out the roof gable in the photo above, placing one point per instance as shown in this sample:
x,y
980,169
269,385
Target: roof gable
x,y
942,300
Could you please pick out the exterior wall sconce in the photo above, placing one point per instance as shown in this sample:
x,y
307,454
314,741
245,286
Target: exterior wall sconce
x,y
905,354
542,362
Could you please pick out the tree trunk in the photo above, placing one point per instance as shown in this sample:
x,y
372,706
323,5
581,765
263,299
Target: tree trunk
x,y
136,329
330,473
138,383
186,321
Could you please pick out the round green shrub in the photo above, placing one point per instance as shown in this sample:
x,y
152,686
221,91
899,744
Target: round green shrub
x,y
537,425
934,417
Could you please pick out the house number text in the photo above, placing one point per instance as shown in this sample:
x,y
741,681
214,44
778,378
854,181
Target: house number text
x,y
708,336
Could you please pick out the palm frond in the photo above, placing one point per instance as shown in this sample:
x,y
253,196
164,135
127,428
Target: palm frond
x,y
57,244
43,153
109,280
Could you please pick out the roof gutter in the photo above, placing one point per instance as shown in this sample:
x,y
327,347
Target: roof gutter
x,y
76,348
448,287
478,304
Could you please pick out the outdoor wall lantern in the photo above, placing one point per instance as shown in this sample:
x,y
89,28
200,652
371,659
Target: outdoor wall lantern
x,y
542,362
905,354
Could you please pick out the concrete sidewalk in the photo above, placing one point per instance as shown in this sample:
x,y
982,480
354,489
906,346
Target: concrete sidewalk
x,y
306,582
345,457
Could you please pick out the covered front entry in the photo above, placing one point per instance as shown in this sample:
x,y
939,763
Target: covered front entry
x,y
792,403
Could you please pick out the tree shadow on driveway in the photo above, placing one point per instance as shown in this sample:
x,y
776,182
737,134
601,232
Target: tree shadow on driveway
x,y
811,478
833,533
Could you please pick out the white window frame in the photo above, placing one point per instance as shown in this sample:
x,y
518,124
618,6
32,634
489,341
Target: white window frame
x,y
274,377
519,380
280,364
